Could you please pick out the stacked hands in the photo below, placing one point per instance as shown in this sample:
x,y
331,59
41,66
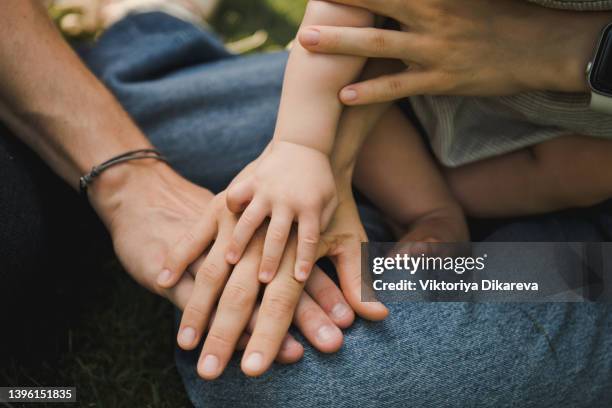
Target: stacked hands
x,y
234,263
243,273
288,183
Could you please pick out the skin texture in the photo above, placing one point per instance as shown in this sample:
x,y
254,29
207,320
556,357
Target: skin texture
x,y
69,118
397,173
567,172
292,181
472,47
281,298
341,242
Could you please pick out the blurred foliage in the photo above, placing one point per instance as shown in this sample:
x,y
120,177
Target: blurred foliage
x,y
237,19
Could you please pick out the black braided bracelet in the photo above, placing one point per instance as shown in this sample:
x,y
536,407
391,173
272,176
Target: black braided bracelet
x,y
87,179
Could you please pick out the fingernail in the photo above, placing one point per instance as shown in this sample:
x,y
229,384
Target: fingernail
x,y
288,343
253,362
187,336
265,276
340,310
164,277
210,364
348,94
310,37
326,334
232,257
301,273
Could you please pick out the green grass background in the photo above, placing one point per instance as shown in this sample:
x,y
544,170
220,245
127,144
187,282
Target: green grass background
x,y
110,338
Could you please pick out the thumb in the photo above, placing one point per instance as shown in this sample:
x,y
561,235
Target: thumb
x,y
348,266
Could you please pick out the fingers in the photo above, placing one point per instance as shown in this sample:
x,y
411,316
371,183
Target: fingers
x,y
363,42
250,220
308,241
276,240
232,316
316,326
275,315
348,266
181,292
186,251
291,350
392,87
209,281
239,195
329,297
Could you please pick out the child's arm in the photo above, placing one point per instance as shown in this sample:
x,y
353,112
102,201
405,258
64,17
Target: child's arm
x,y
567,172
310,108
293,180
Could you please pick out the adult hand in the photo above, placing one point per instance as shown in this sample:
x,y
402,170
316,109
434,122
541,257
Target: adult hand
x,y
471,47
283,300
148,208
341,242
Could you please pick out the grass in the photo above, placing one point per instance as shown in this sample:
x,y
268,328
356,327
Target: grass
x,y
104,334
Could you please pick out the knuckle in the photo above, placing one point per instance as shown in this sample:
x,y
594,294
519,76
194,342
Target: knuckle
x,y
279,306
355,280
269,340
276,234
238,297
377,41
194,315
210,274
308,314
269,260
311,203
248,219
326,292
310,240
218,338
394,86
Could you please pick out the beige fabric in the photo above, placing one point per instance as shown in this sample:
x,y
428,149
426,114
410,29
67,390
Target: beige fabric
x,y
467,129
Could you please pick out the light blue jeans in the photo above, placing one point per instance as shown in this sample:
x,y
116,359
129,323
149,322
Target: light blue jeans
x,y
212,113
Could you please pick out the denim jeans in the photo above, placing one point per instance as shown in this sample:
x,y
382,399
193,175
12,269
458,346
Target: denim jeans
x,y
211,113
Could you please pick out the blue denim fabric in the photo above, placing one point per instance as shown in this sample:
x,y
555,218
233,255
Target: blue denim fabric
x,y
212,113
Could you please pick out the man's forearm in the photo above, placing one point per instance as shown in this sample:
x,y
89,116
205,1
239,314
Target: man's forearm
x,y
50,99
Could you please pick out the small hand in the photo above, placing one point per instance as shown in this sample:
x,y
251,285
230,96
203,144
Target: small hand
x,y
283,301
289,183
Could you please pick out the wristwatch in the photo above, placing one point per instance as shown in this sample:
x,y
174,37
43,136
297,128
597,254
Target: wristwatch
x,y
599,73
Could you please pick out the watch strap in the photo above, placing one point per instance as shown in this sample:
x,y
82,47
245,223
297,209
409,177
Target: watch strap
x,y
601,103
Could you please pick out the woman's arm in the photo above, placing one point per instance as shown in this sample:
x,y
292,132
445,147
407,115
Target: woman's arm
x,y
471,47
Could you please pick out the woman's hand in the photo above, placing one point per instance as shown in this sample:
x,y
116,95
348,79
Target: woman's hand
x,y
471,47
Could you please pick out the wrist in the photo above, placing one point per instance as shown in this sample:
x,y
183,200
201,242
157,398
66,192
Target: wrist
x,y
564,66
116,186
319,143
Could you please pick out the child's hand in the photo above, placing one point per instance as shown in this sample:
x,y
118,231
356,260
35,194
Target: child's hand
x,y
290,182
